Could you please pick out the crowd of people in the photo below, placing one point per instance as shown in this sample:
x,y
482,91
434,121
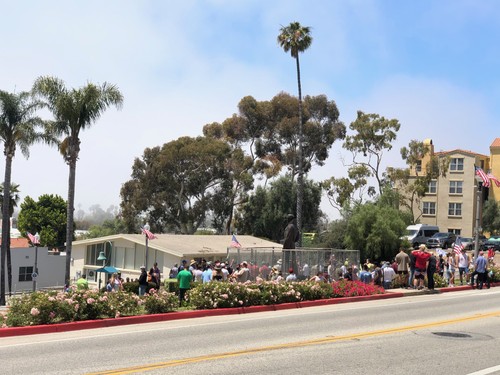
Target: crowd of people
x,y
418,266
414,270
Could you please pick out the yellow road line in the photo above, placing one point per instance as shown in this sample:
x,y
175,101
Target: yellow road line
x,y
325,340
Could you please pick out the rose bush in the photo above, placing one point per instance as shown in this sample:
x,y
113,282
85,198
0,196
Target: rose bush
x,y
158,302
48,307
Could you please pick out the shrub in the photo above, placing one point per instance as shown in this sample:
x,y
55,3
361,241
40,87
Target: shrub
x,y
219,295
494,273
399,281
273,293
346,288
39,308
157,302
439,281
133,287
311,290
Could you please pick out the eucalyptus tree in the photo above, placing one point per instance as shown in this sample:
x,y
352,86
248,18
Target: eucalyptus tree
x,y
296,38
74,110
20,127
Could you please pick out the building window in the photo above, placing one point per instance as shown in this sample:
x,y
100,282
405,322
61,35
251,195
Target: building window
x,y
454,209
418,166
457,164
456,187
25,273
432,188
455,231
429,208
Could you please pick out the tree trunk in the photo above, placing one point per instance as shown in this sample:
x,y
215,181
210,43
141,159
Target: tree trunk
x,y
5,223
69,217
9,264
300,177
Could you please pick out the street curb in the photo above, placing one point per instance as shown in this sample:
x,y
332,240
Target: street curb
x,y
113,322
178,315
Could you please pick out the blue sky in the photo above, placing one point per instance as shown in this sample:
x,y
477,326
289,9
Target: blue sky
x,y
433,65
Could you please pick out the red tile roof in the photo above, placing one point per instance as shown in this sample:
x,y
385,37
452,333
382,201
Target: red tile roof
x,y
19,242
496,143
458,150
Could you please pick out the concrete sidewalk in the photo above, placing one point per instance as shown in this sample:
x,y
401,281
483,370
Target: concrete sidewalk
x,y
90,324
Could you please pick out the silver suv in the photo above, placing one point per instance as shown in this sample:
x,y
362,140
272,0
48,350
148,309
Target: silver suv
x,y
442,240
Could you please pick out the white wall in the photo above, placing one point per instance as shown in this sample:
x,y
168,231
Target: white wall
x,y
50,268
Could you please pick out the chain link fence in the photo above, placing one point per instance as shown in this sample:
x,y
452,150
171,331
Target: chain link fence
x,y
305,262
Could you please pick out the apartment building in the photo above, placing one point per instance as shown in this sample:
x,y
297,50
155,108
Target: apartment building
x,y
452,202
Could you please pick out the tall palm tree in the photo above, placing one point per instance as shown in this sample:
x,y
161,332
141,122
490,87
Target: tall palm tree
x,y
295,38
19,127
74,110
14,198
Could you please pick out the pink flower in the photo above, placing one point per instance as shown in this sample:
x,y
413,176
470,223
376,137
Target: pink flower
x,y
35,311
52,315
225,296
117,315
77,306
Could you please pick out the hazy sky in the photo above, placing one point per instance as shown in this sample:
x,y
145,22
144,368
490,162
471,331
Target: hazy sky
x,y
433,65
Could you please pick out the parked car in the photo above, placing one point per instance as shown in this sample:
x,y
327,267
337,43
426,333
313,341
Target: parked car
x,y
492,241
467,242
441,239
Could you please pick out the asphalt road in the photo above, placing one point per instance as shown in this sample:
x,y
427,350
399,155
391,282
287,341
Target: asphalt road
x,y
454,333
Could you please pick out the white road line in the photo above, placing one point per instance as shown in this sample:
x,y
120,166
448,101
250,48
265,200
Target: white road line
x,y
486,371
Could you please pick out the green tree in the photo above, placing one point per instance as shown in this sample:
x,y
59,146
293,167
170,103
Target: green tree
x,y
19,127
375,230
107,228
296,38
14,198
491,217
47,216
264,215
334,237
173,187
74,110
372,136
412,187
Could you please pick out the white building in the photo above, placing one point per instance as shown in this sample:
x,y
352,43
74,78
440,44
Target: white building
x,y
127,252
51,267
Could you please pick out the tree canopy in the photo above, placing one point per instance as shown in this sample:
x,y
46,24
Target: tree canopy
x,y
172,187
265,213
47,216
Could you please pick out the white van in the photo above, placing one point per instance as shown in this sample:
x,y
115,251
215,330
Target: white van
x,y
419,233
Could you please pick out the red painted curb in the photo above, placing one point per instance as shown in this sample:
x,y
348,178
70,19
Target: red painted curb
x,y
112,322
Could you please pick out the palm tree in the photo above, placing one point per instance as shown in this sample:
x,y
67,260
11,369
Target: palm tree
x,y
74,110
296,38
18,128
14,198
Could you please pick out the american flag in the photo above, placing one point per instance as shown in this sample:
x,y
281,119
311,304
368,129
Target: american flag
x,y
458,247
494,179
33,239
234,242
148,234
480,173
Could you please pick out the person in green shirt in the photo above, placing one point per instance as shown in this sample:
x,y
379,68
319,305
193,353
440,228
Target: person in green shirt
x,y
184,277
82,282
